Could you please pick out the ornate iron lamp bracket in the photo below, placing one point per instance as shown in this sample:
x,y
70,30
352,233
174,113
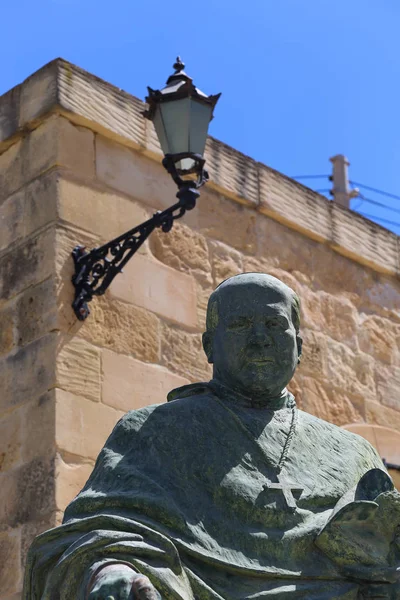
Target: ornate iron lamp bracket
x,y
95,270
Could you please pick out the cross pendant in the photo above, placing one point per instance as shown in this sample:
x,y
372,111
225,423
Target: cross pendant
x,y
288,491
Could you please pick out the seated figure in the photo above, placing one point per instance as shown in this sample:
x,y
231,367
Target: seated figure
x,y
228,491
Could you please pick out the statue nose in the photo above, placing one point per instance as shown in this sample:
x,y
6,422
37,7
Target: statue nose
x,y
261,335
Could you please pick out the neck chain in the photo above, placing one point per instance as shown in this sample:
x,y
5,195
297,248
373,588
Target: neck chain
x,y
286,448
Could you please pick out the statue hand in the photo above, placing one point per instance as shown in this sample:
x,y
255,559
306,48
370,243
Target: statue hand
x,y
119,582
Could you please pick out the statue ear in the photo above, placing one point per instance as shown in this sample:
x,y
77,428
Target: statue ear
x,y
208,345
299,342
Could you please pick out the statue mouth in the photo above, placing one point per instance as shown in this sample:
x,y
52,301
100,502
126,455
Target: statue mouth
x,y
262,360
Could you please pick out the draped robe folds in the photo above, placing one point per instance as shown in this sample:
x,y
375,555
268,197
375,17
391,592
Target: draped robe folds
x,y
179,493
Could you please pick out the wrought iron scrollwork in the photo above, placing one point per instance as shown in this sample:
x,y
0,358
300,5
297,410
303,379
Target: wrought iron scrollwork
x,y
95,270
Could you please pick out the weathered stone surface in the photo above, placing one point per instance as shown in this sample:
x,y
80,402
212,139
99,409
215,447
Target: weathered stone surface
x,y
314,358
11,177
292,202
78,367
388,384
28,372
333,406
106,214
36,311
233,172
38,94
123,328
378,337
12,219
129,384
70,479
152,285
226,262
7,337
10,562
9,107
57,142
27,264
82,426
38,427
182,249
284,248
335,316
10,440
183,353
134,174
382,415
349,371
204,291
239,228
41,201
27,492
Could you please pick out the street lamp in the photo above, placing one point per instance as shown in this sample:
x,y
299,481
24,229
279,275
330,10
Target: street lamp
x,y
181,114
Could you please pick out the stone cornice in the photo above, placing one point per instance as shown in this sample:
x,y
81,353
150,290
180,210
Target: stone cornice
x,y
62,88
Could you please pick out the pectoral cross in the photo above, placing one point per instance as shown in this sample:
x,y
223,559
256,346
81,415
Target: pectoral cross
x,y
288,492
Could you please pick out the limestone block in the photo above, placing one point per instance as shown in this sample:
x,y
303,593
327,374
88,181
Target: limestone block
x,y
106,108
365,241
36,311
333,315
284,248
38,94
294,204
10,562
239,222
11,175
349,371
106,214
378,414
78,367
129,172
57,142
204,291
262,264
7,326
70,479
28,372
226,262
12,219
333,406
27,264
183,353
27,492
9,107
314,357
232,171
182,249
152,285
378,337
41,202
82,426
129,384
38,427
123,328
388,384
10,440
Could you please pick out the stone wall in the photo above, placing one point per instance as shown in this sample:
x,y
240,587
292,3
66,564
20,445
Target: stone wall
x,y
79,165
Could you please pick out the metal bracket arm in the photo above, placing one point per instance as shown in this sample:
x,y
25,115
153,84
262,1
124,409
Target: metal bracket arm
x,y
95,270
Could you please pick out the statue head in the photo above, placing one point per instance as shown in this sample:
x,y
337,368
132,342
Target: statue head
x,y
252,336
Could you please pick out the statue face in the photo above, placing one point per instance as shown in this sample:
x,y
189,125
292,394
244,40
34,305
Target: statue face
x,y
255,348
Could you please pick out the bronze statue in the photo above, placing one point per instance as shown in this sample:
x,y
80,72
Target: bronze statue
x,y
228,491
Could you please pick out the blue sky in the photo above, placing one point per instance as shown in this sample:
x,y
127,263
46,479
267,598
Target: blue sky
x,y
301,80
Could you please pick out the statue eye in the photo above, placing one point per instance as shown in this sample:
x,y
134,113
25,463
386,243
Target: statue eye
x,y
240,323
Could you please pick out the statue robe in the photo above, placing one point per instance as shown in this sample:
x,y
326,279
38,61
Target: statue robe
x,y
178,492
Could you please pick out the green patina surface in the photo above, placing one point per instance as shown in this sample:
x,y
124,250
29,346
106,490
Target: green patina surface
x,y
228,491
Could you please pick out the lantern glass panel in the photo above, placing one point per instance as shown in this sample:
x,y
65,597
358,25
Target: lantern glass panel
x,y
175,116
200,116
